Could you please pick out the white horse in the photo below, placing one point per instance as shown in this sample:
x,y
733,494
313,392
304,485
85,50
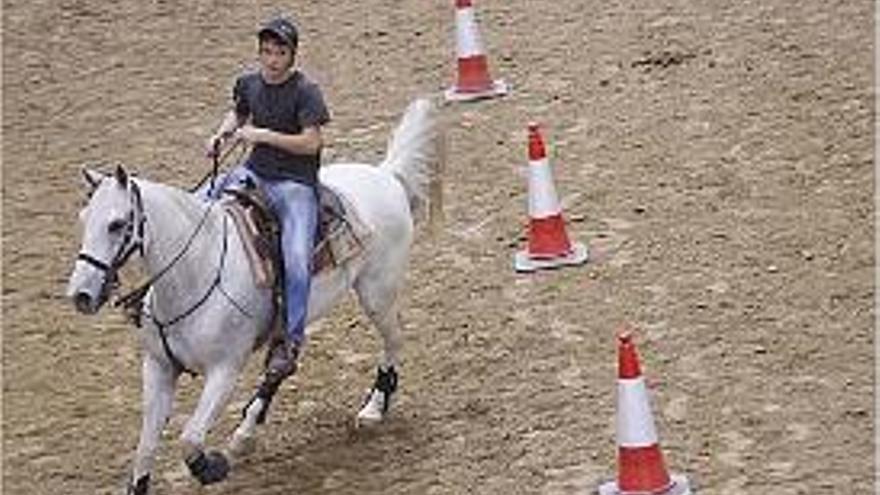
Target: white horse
x,y
204,312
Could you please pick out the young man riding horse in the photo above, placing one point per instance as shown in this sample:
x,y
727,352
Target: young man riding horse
x,y
203,310
280,112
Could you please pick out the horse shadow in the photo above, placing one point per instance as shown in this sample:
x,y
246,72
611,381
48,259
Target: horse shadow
x,y
329,455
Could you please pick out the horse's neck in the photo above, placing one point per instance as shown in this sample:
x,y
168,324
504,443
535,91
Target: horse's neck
x,y
183,238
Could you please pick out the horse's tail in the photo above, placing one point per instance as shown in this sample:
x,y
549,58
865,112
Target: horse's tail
x,y
413,151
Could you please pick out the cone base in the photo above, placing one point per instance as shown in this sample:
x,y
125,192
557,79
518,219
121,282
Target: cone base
x,y
680,486
498,88
524,262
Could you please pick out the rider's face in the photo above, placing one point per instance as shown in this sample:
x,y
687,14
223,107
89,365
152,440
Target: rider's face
x,y
275,60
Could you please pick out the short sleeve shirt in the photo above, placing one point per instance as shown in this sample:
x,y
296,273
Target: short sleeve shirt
x,y
287,107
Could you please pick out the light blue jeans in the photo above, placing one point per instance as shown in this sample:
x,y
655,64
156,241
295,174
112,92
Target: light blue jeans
x,y
296,206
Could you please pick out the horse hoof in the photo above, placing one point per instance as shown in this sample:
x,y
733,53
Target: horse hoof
x,y
367,419
139,487
208,468
363,421
378,401
373,411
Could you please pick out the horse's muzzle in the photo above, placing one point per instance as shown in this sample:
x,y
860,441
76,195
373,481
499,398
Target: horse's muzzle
x,y
85,303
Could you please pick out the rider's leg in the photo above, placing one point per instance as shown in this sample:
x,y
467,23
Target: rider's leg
x,y
296,207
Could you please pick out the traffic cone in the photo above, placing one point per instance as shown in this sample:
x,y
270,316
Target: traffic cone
x,y
474,81
640,467
548,245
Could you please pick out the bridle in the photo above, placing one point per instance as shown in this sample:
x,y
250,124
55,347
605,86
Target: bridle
x,y
132,241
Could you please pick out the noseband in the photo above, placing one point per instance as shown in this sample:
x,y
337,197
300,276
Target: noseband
x,y
132,241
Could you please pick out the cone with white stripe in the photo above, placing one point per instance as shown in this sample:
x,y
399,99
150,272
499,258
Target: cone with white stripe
x,y
548,243
473,81
640,466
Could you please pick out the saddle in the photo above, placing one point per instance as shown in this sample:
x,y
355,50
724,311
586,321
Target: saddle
x,y
341,234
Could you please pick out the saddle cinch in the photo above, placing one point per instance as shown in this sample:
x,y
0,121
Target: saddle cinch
x,y
341,234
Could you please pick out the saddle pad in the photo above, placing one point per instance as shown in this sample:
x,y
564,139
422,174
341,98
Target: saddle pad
x,y
254,239
342,235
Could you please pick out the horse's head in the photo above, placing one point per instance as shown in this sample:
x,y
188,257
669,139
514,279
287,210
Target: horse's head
x,y
113,228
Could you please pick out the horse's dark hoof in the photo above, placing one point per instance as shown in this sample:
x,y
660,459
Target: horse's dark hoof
x,y
139,487
208,468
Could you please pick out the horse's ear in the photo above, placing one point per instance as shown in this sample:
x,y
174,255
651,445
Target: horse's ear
x,y
92,178
121,176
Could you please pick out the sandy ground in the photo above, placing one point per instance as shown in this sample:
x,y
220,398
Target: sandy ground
x,y
716,156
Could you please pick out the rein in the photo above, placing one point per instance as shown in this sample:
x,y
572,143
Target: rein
x,y
132,301
136,296
218,160
133,241
216,284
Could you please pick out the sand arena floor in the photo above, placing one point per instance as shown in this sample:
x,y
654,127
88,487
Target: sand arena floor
x,y
717,158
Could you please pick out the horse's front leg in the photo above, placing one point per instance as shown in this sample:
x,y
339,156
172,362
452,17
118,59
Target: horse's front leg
x,y
159,383
209,467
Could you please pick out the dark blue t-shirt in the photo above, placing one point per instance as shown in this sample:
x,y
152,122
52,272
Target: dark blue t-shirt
x,y
287,107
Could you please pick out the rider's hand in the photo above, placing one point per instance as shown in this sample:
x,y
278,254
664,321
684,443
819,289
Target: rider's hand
x,y
213,145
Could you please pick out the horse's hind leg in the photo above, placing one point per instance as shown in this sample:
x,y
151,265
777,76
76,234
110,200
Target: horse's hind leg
x,y
378,297
254,413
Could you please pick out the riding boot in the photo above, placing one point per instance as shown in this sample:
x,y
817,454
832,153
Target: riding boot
x,y
281,361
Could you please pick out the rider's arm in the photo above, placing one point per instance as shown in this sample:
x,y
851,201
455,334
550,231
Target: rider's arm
x,y
230,123
308,142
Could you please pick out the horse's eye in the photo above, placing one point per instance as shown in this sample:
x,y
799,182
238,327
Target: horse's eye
x,y
116,226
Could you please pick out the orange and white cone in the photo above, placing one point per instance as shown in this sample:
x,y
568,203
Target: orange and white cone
x,y
549,245
474,81
640,467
